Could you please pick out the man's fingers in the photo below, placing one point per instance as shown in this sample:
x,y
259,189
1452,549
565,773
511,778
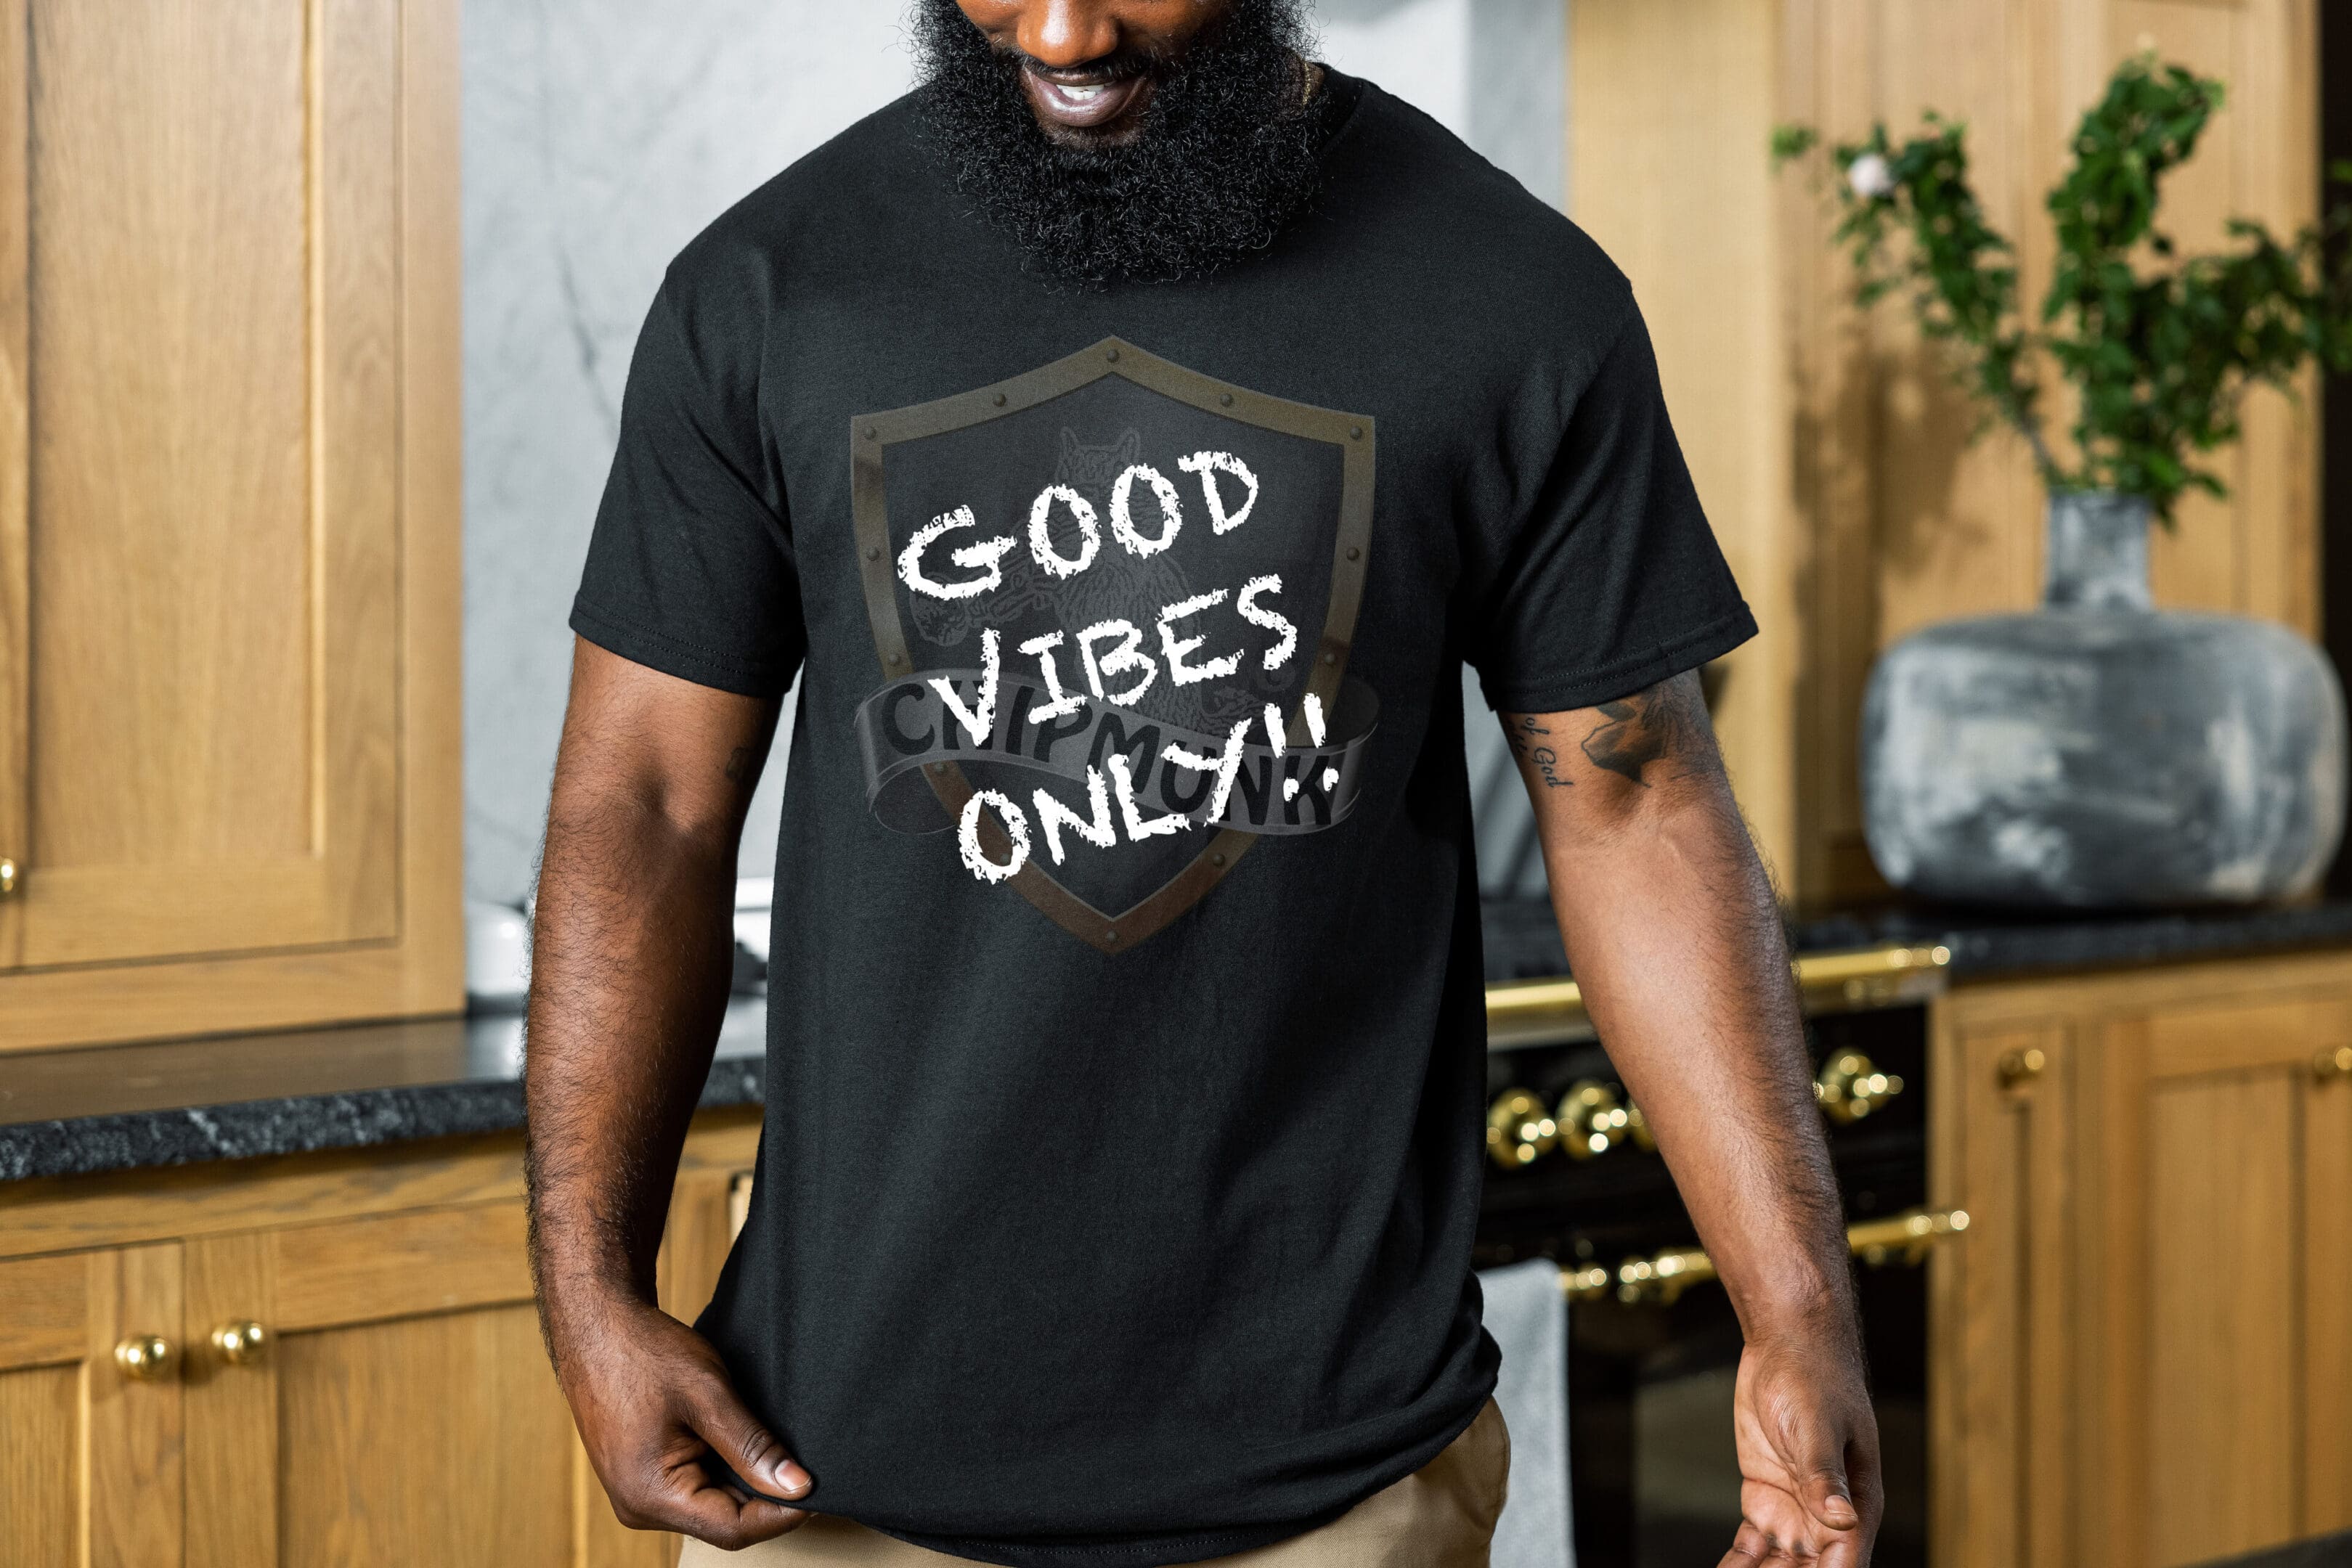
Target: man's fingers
x,y
710,1513
745,1447
1750,1547
1845,1552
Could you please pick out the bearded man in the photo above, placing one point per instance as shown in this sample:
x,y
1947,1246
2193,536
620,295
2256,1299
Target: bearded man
x,y
1125,439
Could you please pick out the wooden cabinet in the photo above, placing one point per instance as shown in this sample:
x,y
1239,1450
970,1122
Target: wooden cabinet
x,y
397,1410
228,515
2145,1356
402,1409
90,1459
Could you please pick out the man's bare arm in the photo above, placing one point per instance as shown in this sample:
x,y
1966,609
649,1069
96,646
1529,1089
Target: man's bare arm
x,y
632,956
1674,934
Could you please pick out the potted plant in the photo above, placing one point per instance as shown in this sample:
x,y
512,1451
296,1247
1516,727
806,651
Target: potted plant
x,y
2100,752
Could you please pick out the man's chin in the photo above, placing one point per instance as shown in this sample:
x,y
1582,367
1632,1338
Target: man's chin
x,y
1204,168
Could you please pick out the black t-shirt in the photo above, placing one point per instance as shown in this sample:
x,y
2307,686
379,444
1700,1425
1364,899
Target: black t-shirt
x,y
1126,1052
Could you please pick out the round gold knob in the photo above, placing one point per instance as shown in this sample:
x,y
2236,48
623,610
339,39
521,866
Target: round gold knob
x,y
144,1357
1851,1087
1519,1131
2018,1067
241,1342
1592,1120
2335,1063
7,876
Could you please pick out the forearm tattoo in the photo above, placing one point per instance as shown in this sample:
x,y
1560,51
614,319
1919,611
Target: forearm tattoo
x,y
1665,724
1531,743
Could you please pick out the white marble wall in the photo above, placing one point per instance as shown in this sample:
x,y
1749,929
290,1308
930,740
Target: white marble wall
x,y
600,136
1492,71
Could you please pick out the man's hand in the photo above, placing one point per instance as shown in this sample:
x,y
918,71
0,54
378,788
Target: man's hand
x,y
652,1400
1808,1457
631,962
1672,928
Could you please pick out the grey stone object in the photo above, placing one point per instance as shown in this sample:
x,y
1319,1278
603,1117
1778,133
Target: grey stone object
x,y
2099,753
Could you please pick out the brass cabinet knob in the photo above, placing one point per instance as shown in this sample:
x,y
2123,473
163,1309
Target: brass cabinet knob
x,y
1592,1120
241,1342
1851,1087
8,876
2020,1067
144,1357
1519,1131
2335,1063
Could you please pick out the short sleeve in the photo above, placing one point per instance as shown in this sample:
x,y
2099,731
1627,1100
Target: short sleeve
x,y
690,567
1612,581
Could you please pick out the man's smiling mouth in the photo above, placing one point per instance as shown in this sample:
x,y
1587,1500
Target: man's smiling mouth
x,y
1074,103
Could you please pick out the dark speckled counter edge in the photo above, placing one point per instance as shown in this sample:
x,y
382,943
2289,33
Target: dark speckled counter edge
x,y
1521,943
362,1119
2009,951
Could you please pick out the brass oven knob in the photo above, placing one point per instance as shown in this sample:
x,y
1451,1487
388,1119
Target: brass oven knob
x,y
241,1342
1592,1120
2020,1067
144,1357
1851,1087
7,876
1519,1131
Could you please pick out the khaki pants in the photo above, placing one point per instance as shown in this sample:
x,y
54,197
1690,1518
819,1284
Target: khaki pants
x,y
1441,1516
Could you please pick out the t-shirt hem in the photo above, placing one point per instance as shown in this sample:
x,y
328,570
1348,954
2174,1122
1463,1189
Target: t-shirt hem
x,y
659,650
1155,1552
1199,1546
1624,676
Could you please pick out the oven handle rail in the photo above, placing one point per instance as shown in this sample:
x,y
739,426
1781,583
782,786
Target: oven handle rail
x,y
1551,1013
1663,1277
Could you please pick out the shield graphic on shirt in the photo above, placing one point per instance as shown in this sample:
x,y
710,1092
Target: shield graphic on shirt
x,y
1112,600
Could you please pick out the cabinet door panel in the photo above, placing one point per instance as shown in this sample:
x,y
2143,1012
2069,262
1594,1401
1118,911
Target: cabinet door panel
x,y
39,1412
213,293
2222,1240
433,1439
2327,1305
2222,1165
89,1460
2003,1381
404,1411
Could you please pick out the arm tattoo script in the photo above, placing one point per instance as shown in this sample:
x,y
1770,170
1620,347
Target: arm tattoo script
x,y
740,763
1661,724
1532,744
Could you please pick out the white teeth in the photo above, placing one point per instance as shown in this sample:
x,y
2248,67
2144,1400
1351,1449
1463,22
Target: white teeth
x,y
1083,94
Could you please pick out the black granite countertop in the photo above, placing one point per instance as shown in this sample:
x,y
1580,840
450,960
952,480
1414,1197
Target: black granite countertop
x,y
112,1108
1523,943
177,1102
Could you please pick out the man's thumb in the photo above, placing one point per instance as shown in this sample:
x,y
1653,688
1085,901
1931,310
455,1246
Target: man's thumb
x,y
1826,1496
747,1447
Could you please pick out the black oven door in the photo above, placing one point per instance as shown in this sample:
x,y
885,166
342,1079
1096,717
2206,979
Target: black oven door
x,y
1654,1479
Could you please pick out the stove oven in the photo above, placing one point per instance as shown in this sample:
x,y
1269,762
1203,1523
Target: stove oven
x,y
1654,1346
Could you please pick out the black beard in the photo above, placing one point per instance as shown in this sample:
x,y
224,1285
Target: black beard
x,y
1226,157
